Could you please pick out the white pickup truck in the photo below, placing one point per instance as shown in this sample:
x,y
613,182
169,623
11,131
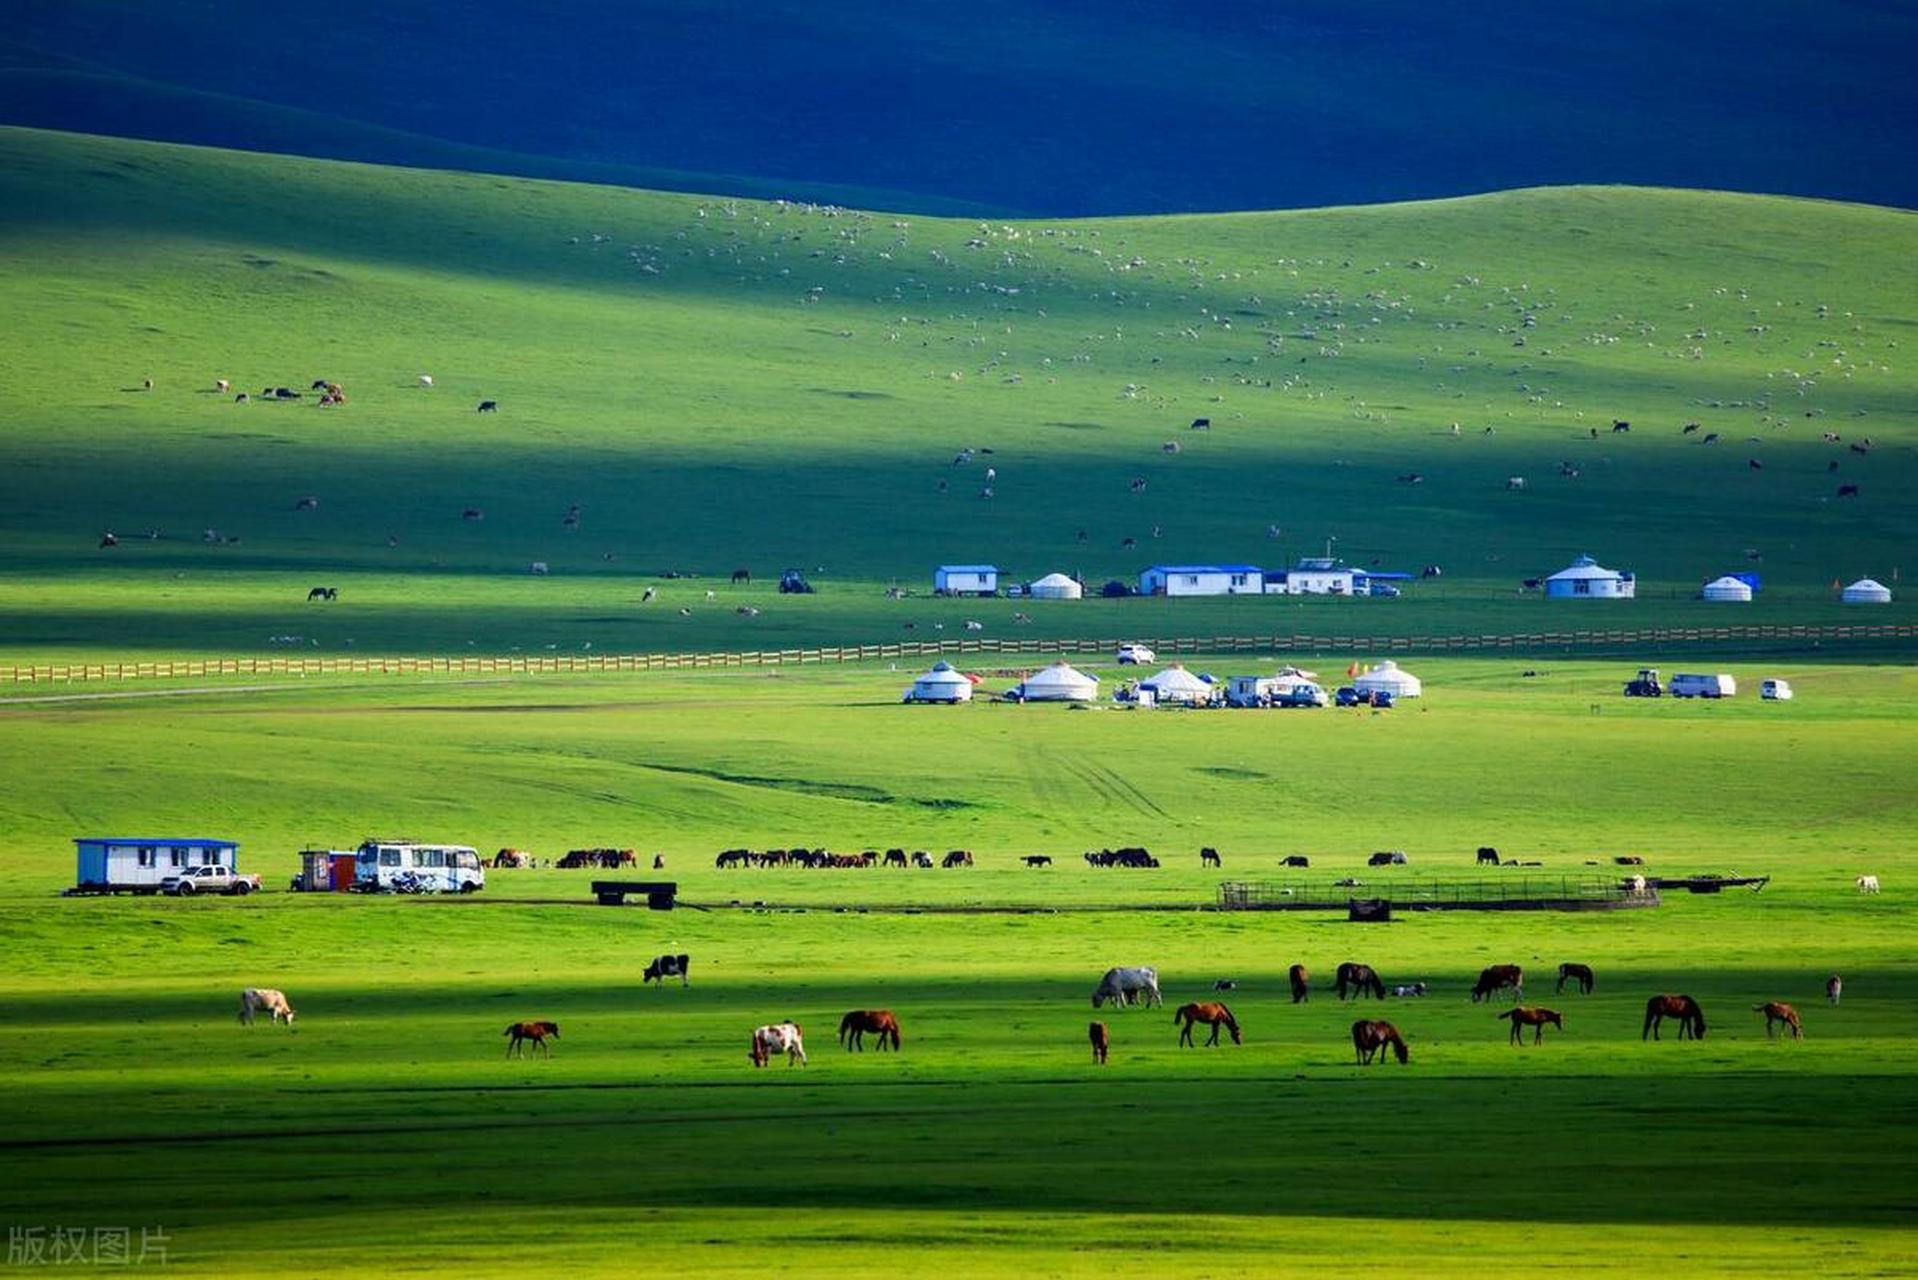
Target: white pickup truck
x,y
211,879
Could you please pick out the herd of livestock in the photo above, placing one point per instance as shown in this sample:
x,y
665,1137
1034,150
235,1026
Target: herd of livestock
x,y
1136,987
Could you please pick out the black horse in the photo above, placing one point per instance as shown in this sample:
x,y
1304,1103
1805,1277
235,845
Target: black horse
x,y
323,593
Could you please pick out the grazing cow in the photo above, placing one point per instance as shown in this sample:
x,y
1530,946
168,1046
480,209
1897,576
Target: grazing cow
x,y
1101,1042
1535,1018
1691,1018
1638,885
1629,860
472,513
1711,437
881,1022
512,858
922,860
780,1037
1209,858
1754,464
1431,571
1301,982
538,1032
1125,986
1201,424
646,596
1037,860
1847,490
1370,1037
537,568
323,593
1513,483
1295,860
664,967
1224,984
1867,884
241,398
1411,477
1487,855
1411,991
1578,974
659,862
1170,446
742,575
1834,988
488,406
1386,858
109,540
733,858
1621,426
957,858
1360,979
1689,428
256,1000
1213,1015
1777,1012
426,379
1496,978
896,858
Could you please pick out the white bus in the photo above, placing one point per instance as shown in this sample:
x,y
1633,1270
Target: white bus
x,y
433,868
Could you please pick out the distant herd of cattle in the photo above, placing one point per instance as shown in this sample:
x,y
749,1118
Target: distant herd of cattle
x,y
1130,856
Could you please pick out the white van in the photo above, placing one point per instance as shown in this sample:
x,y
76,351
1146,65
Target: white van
x,y
421,868
1697,686
1775,691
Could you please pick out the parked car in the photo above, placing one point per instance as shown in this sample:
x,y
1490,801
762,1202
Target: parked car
x,y
1702,686
1349,697
1775,690
1382,590
1301,694
211,879
1383,699
1136,655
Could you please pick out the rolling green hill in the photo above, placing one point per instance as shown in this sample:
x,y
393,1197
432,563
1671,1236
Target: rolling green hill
x,y
723,383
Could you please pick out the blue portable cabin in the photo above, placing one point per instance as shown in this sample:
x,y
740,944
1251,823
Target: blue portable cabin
x,y
111,864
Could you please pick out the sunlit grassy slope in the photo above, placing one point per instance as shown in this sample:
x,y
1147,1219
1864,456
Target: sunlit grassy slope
x,y
719,384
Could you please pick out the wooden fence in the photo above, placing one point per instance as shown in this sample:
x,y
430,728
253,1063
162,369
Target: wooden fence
x,y
530,664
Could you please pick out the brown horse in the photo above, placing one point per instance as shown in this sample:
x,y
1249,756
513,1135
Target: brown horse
x,y
1370,1038
1100,1042
1213,1015
1579,973
1301,983
1524,1016
538,1032
854,1026
1691,1019
1495,979
1359,976
1776,1012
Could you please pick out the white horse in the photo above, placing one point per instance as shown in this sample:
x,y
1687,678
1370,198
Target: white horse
x,y
1124,986
257,1000
1867,884
782,1037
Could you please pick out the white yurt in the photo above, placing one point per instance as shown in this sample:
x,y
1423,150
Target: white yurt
x,y
1728,590
1391,678
1177,685
1866,591
1586,579
1055,586
1059,682
941,684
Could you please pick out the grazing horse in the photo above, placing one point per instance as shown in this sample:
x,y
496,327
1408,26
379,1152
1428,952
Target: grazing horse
x,y
1867,884
957,858
538,1032
1125,986
777,1038
1213,1015
1834,988
1301,983
1579,973
854,1026
488,406
1369,1039
1487,856
1101,1042
1036,860
323,593
742,575
1209,858
1776,1011
1362,978
1523,1016
1295,860
1495,979
1691,1019
664,967
255,1000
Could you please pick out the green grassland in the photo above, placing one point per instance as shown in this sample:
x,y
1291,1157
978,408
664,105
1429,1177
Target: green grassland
x,y
723,383
384,1131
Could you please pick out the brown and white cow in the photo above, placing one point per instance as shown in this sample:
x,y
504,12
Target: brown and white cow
x,y
257,1000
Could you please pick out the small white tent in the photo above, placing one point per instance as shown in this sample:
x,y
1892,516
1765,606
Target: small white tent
x,y
1866,591
941,684
1390,678
1057,683
1055,586
1727,590
1176,684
